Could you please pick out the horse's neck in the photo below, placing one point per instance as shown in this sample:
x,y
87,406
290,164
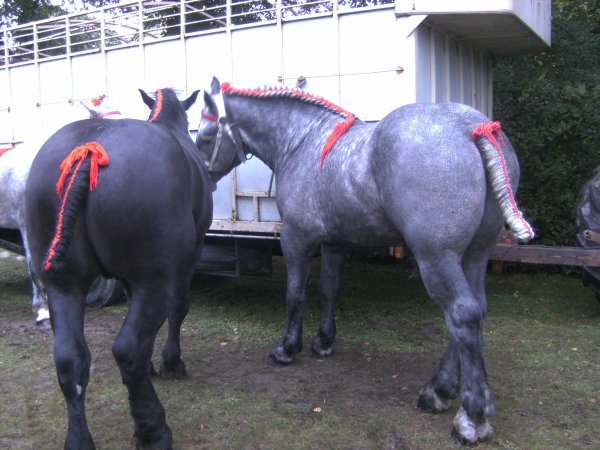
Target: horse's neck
x,y
277,128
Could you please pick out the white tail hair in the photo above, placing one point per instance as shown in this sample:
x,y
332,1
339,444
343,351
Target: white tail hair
x,y
499,179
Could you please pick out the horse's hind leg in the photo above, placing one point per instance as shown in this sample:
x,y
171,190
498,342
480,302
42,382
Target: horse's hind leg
x,y
332,261
444,386
172,365
447,285
39,303
72,358
132,350
436,395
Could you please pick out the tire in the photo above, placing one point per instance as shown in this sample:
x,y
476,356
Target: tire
x,y
587,217
106,292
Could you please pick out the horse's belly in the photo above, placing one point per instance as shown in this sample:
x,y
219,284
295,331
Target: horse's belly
x,y
364,229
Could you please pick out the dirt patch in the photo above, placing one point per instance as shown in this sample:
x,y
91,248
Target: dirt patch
x,y
390,337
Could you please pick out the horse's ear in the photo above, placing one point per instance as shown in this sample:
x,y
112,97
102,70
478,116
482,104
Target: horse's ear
x,y
147,99
209,102
215,86
188,102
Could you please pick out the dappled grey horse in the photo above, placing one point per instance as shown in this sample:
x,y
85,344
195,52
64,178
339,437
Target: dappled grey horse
x,y
439,177
134,202
14,169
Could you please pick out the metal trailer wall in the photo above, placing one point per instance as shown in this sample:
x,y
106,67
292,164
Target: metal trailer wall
x,y
365,59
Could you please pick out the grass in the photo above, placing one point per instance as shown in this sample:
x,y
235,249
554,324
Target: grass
x,y
542,354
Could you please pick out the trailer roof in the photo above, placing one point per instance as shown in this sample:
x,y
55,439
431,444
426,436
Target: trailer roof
x,y
496,27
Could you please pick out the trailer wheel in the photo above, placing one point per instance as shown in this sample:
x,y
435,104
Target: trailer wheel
x,y
106,292
587,221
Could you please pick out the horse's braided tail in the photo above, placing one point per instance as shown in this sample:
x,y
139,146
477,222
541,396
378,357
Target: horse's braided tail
x,y
74,171
484,137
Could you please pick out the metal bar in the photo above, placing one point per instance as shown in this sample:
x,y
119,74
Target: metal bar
x,y
542,254
432,73
447,66
12,247
490,92
245,226
113,20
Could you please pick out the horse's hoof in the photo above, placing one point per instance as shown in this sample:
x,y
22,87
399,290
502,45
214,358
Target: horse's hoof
x,y
279,357
467,432
317,348
173,371
430,402
83,441
43,324
165,442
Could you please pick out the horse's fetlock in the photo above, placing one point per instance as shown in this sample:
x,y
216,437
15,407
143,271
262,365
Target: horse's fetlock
x,y
474,406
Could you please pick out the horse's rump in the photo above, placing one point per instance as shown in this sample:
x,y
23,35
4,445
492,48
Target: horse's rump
x,y
141,196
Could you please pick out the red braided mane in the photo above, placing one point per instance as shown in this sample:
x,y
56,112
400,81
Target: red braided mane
x,y
5,149
337,132
158,106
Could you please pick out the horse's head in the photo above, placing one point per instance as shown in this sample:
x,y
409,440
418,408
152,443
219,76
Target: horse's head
x,y
219,139
166,109
99,110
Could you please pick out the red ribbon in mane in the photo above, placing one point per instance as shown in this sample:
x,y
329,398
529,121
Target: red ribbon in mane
x,y
6,149
337,132
99,157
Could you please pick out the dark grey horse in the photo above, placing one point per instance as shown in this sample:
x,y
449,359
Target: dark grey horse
x,y
441,178
134,203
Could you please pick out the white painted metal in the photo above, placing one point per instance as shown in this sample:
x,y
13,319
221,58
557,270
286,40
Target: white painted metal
x,y
499,27
369,59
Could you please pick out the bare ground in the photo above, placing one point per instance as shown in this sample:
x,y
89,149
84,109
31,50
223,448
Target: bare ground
x,y
545,379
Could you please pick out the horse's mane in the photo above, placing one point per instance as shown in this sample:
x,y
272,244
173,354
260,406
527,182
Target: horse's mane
x,y
159,104
278,92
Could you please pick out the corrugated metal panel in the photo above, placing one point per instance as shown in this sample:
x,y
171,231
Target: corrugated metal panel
x,y
449,71
499,27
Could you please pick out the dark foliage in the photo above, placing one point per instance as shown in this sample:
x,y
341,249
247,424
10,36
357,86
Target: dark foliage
x,y
549,105
23,11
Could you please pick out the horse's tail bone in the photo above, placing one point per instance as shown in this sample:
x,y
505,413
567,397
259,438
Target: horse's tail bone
x,y
74,171
484,137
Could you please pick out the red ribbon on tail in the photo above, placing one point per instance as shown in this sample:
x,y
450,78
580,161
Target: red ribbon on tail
x,y
70,166
99,157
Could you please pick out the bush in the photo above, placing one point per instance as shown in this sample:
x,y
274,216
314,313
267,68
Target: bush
x,y
549,105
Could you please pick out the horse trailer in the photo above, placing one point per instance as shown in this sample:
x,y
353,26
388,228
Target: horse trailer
x,y
368,56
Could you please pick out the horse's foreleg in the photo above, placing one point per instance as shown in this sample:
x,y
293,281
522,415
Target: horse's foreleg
x,y
332,262
72,359
298,257
132,350
447,285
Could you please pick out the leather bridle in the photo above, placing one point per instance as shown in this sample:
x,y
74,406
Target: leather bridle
x,y
226,128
